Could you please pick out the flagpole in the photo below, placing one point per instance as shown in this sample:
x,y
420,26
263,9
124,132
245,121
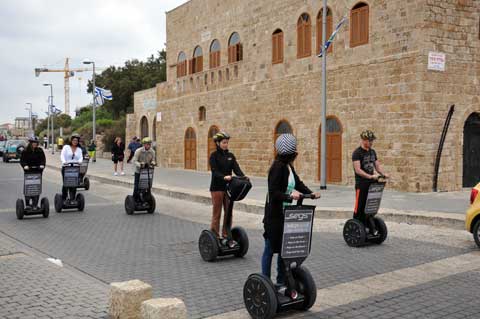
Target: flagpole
x,y
323,151
94,110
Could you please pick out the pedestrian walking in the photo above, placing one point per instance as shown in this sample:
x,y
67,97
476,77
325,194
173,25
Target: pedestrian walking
x,y
45,141
92,148
132,147
118,154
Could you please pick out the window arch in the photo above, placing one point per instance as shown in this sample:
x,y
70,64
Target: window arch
x,y
144,127
235,49
277,46
190,149
215,54
181,64
202,113
304,36
359,24
320,29
196,64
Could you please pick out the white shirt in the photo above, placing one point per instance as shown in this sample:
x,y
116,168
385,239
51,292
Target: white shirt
x,y
67,155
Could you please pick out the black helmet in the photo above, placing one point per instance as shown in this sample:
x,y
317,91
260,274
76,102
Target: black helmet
x,y
33,139
368,135
220,136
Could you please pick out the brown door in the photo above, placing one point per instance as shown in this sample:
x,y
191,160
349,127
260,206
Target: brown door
x,y
334,151
190,149
211,144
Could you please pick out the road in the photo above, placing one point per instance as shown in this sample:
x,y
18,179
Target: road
x,y
103,245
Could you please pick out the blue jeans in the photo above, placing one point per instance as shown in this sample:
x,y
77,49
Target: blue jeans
x,y
267,263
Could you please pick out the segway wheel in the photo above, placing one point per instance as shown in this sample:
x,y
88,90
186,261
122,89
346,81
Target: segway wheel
x,y
129,205
306,286
240,236
476,232
208,246
58,203
20,208
382,230
354,233
260,297
45,207
151,204
86,183
81,202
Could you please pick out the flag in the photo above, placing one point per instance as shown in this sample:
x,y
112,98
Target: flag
x,y
101,95
330,40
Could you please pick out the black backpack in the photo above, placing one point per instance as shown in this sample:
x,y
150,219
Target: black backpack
x,y
238,188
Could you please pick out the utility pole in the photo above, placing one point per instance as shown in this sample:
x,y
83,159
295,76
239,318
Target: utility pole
x,y
30,126
323,151
94,134
50,110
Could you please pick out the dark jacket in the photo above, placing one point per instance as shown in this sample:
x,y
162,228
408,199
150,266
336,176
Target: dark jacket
x,y
118,150
32,157
222,163
277,187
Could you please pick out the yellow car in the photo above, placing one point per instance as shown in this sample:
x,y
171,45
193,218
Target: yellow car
x,y
472,220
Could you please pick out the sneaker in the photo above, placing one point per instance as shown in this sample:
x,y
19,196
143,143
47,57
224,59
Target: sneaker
x,y
122,173
232,243
115,174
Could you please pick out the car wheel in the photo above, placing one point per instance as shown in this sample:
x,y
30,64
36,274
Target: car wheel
x,y
476,232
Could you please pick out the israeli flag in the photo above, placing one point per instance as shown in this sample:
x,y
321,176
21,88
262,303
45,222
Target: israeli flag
x,y
101,95
332,37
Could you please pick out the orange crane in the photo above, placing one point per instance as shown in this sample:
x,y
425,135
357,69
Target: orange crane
x,y
68,73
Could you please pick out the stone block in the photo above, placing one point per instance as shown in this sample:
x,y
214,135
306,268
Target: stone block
x,y
126,299
164,308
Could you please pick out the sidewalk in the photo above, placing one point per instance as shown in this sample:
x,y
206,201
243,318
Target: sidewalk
x,y
336,200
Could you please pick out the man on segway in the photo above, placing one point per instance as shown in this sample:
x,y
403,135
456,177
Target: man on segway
x,y
32,160
367,170
144,155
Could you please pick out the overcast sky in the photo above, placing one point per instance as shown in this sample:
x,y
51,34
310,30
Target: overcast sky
x,y
42,33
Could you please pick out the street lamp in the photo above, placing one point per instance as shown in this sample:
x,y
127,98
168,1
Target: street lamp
x,y
94,107
30,126
52,111
323,151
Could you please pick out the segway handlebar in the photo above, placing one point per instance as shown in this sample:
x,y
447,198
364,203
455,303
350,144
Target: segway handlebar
x,y
37,168
71,164
303,196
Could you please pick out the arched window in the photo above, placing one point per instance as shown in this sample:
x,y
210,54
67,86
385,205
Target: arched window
x,y
304,36
181,65
320,29
202,113
215,54
190,149
211,144
283,127
196,64
144,127
359,17
277,46
235,49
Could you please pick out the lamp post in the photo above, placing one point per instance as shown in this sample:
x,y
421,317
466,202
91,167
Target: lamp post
x,y
94,106
51,111
323,151
30,126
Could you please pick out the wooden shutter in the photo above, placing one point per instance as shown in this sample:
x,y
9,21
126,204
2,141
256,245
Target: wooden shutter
x,y
214,59
190,66
230,53
277,48
359,26
308,39
199,64
300,40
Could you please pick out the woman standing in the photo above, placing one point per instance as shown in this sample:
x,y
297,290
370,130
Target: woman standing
x,y
284,185
118,153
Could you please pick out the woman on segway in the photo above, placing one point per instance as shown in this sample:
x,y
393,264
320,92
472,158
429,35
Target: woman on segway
x,y
222,164
71,153
33,158
284,185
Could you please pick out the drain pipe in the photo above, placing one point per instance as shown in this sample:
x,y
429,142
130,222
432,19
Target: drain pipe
x,y
440,147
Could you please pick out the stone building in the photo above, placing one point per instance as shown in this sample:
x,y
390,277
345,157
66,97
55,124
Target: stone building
x,y
250,67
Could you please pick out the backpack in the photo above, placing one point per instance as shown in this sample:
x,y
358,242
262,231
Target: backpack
x,y
238,188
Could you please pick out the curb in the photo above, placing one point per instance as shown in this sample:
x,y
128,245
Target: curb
x,y
438,219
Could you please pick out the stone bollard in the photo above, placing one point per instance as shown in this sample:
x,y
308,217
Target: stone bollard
x,y
164,308
126,299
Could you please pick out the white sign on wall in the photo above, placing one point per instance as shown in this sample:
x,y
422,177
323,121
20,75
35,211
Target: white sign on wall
x,y
206,35
159,116
436,61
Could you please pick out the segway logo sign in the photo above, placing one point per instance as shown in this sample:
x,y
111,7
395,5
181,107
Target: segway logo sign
x,y
375,192
297,232
33,184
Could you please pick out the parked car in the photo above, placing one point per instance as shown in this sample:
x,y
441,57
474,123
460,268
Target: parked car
x,y
472,220
2,147
13,150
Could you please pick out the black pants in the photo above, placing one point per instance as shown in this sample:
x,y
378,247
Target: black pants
x,y
65,190
136,193
361,194
130,156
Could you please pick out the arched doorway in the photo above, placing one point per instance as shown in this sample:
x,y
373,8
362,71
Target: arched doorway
x,y
334,150
190,149
471,150
283,127
143,127
211,144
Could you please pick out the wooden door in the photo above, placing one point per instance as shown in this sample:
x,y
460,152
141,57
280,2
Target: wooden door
x,y
471,151
211,144
190,149
334,151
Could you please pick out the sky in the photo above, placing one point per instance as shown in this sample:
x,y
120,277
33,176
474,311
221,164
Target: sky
x,y
42,33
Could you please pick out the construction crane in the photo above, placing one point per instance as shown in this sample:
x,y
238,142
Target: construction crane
x,y
68,73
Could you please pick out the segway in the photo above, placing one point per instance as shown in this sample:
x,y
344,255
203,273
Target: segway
x,y
32,188
146,200
262,298
71,181
84,180
373,230
236,243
